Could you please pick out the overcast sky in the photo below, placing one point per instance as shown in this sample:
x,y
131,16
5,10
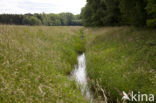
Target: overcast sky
x,y
39,6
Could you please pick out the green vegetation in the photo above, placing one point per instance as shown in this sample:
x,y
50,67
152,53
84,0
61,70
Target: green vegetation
x,y
119,12
133,12
101,13
121,59
34,63
31,21
62,19
151,11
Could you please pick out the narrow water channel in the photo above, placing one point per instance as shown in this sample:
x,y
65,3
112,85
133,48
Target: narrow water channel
x,y
80,76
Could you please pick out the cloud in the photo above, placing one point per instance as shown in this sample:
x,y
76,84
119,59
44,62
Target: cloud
x,y
39,6
10,6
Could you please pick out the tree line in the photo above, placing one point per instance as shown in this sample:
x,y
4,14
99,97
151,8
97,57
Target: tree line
x,y
119,12
62,19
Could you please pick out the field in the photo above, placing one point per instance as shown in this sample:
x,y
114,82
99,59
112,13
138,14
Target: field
x,y
35,63
121,59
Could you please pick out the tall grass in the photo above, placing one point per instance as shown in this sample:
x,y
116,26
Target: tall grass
x,y
34,63
121,59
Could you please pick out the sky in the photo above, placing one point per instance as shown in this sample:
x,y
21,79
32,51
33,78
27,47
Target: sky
x,y
40,6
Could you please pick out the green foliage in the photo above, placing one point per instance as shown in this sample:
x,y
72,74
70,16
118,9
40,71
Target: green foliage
x,y
151,23
31,21
76,22
5,19
151,11
101,13
66,18
133,12
119,12
63,19
53,20
112,12
86,15
121,59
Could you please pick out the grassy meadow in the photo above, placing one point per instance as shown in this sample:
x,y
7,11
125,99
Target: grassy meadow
x,y
35,63
121,59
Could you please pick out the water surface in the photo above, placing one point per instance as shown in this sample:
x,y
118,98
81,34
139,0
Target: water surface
x,y
80,75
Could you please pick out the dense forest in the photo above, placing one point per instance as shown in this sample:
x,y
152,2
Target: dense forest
x,y
138,13
64,19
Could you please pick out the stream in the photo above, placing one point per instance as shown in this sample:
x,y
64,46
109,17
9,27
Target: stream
x,y
80,76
